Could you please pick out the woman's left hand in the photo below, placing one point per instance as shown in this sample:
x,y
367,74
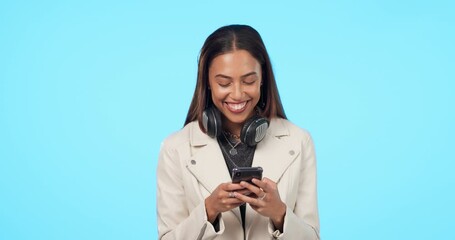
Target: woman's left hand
x,y
265,200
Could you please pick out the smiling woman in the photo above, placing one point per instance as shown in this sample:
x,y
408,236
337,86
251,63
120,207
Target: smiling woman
x,y
235,83
236,120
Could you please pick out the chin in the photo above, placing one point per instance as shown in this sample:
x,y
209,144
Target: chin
x,y
237,119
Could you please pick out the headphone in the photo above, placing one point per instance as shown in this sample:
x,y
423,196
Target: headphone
x,y
253,130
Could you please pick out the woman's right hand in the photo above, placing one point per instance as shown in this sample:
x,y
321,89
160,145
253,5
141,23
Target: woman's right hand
x,y
222,199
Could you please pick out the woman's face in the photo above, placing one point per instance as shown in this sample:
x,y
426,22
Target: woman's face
x,y
235,83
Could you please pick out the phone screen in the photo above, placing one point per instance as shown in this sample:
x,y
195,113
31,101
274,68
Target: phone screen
x,y
246,174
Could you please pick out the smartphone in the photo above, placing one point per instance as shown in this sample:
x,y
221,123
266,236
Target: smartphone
x,y
246,174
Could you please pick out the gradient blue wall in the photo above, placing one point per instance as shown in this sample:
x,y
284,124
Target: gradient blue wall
x,y
89,89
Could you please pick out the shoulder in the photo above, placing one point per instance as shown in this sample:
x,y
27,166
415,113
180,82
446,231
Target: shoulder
x,y
180,137
284,127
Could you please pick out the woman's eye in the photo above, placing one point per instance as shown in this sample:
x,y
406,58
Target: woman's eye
x,y
249,82
224,84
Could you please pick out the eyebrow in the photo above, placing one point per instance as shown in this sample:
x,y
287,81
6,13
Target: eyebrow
x,y
243,76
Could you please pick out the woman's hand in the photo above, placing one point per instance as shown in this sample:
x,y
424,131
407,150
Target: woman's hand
x,y
223,199
265,200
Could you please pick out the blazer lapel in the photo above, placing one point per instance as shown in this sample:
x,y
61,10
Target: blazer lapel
x,y
274,156
207,163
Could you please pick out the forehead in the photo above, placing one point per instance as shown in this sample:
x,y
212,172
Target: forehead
x,y
234,63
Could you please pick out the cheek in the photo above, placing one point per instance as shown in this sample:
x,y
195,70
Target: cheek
x,y
219,93
254,91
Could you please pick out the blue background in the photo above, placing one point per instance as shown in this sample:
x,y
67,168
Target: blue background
x,y
89,89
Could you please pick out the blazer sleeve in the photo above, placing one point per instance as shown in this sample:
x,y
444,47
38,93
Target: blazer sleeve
x,y
303,219
175,220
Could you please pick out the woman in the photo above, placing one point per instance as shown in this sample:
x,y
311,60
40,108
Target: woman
x,y
236,92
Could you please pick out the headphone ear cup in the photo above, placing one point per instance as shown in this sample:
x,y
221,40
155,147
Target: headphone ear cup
x,y
211,120
254,130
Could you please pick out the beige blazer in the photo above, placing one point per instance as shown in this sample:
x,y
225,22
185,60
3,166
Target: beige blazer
x,y
191,166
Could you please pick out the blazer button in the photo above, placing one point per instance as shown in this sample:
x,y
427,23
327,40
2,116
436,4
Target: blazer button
x,y
291,152
193,162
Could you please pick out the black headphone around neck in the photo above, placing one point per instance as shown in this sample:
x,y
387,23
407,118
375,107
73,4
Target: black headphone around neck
x,y
253,131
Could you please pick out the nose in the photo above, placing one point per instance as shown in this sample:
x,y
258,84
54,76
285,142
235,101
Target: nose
x,y
237,92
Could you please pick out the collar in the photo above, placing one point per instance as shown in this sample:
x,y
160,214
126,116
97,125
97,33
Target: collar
x,y
198,138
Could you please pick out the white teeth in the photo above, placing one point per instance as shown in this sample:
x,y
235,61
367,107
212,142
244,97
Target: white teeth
x,y
237,106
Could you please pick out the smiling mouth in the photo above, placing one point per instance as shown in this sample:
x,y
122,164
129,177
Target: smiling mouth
x,y
236,107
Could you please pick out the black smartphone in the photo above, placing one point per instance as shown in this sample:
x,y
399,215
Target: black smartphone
x,y
246,174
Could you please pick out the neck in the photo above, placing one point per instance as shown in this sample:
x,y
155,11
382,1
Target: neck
x,y
232,135
232,127
233,130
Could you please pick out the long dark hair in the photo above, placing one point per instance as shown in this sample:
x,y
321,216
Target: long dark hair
x,y
227,39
